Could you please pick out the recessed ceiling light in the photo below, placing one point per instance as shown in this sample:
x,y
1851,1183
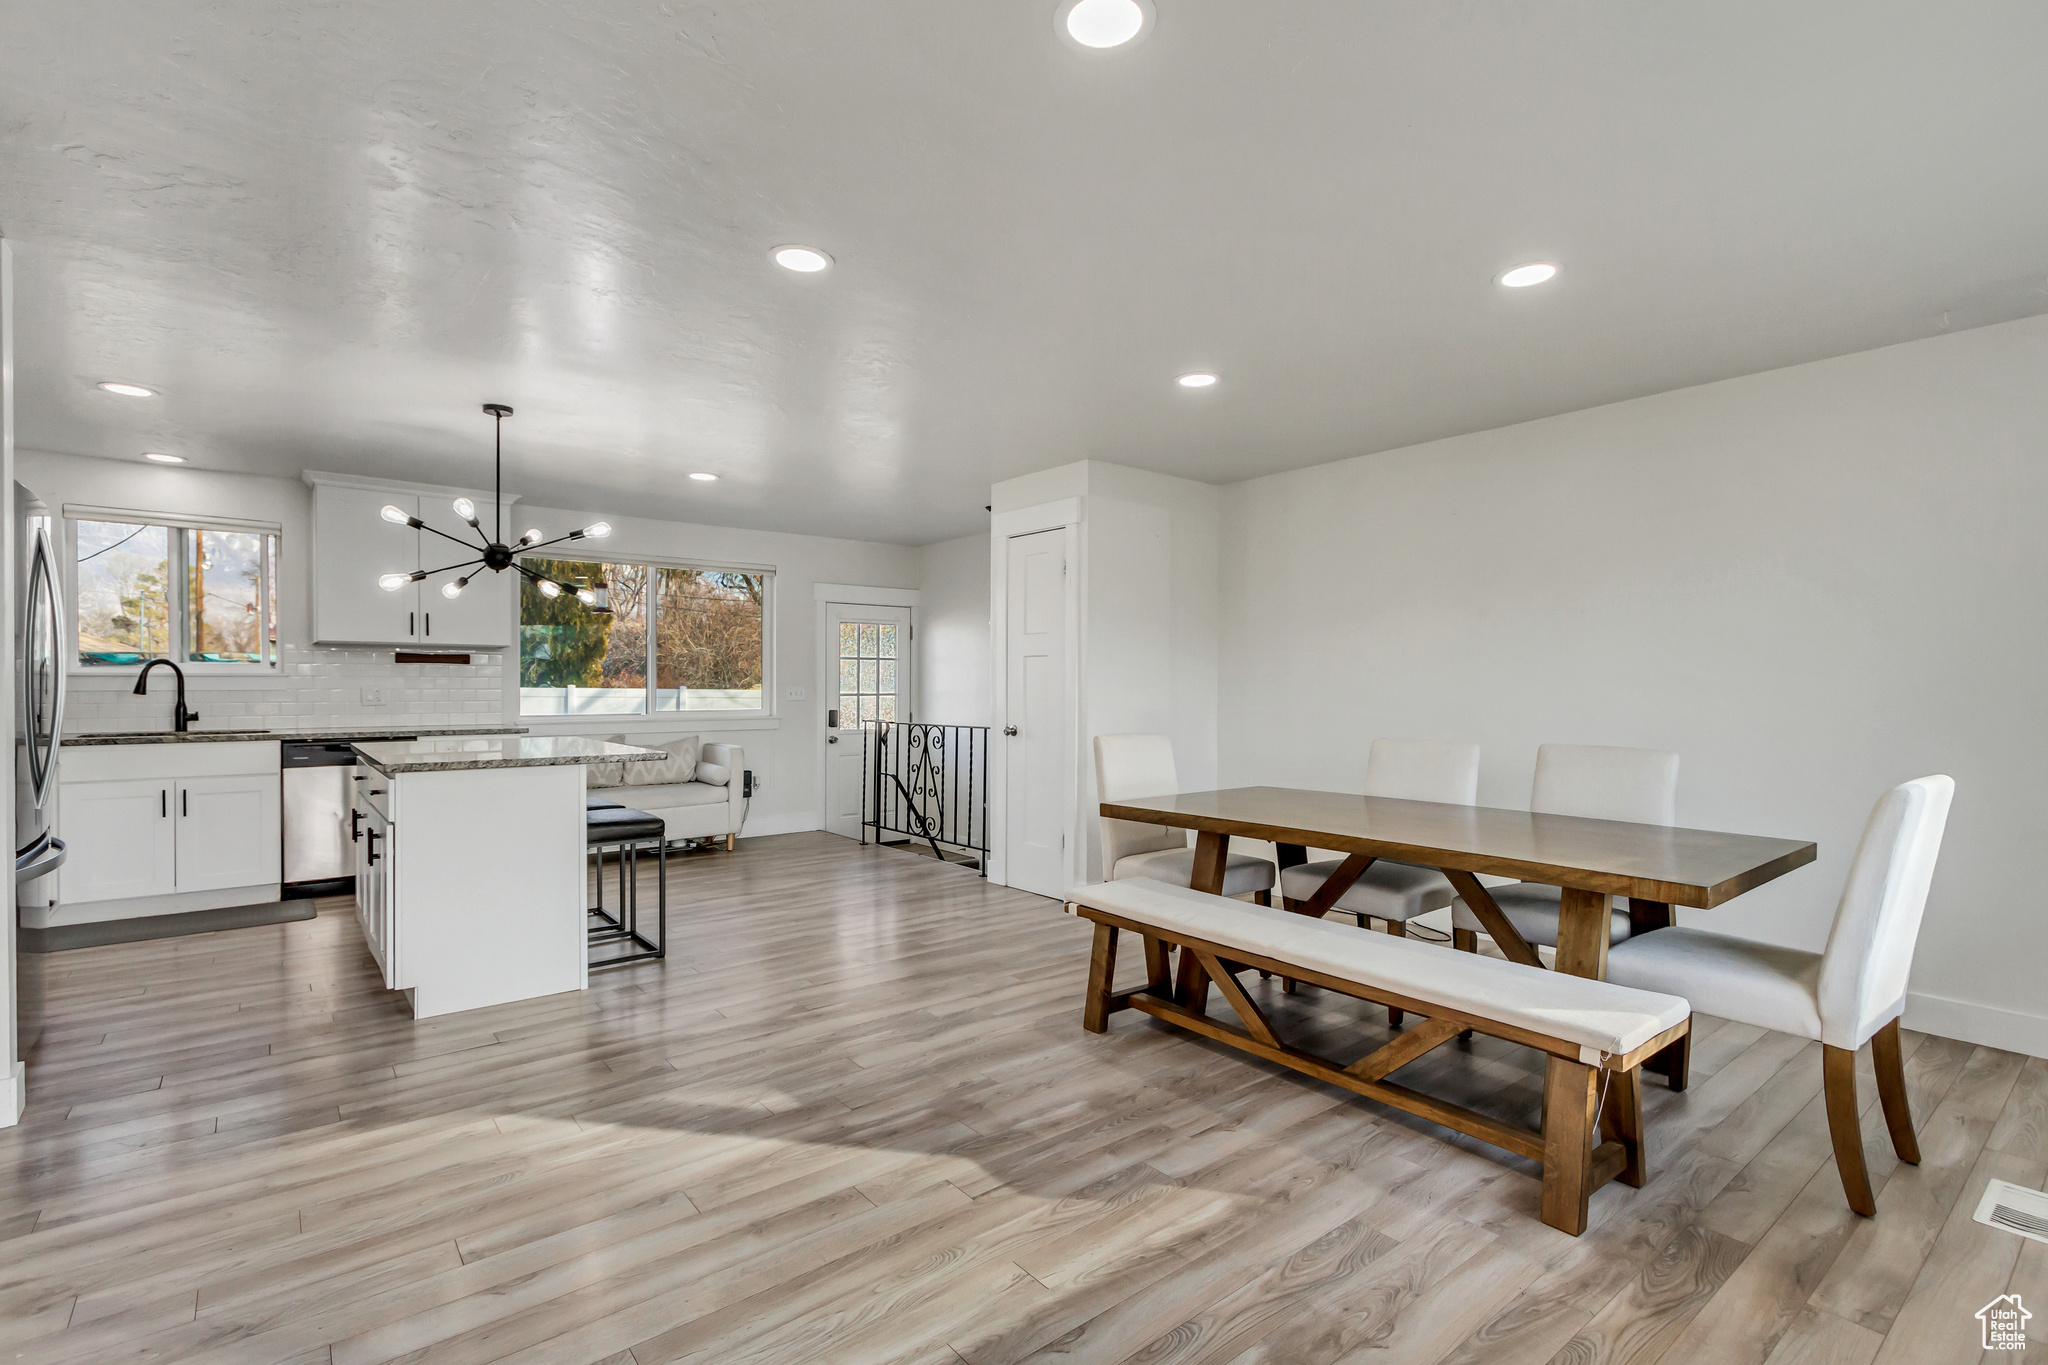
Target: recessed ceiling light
x,y
1522,276
127,390
1101,24
805,260
1197,381
162,458
705,478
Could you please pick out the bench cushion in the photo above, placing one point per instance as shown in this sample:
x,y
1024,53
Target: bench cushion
x,y
1597,1016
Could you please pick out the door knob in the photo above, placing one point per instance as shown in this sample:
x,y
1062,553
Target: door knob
x,y
831,739
1010,730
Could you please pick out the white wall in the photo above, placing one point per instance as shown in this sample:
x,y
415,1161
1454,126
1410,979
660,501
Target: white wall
x,y
953,656
784,753
1812,583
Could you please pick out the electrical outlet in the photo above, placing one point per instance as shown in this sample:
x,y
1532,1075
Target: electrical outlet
x,y
793,694
373,696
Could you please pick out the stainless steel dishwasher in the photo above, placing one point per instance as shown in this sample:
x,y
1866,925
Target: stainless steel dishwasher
x,y
317,792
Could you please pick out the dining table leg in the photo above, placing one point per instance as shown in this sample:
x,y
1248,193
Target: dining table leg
x,y
1584,923
1673,1063
1212,852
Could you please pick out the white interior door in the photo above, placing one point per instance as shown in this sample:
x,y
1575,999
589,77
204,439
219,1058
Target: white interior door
x,y
869,681
1038,750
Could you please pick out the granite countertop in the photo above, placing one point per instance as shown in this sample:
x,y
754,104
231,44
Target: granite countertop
x,y
287,736
500,751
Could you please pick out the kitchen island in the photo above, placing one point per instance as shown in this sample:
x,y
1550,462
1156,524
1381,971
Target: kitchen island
x,y
470,882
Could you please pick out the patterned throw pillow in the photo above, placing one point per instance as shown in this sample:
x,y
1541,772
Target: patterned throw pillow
x,y
679,766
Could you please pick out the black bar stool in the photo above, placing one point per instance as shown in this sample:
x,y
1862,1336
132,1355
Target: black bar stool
x,y
613,826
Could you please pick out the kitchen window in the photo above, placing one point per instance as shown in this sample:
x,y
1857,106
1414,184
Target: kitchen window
x,y
677,639
148,586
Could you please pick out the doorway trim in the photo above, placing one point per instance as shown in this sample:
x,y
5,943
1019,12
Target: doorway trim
x,y
826,680
1064,514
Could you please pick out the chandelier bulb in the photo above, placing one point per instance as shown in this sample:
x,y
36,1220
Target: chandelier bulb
x,y
550,588
586,597
454,587
395,514
392,582
531,537
465,509
598,530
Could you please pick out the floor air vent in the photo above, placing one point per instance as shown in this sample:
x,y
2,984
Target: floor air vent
x,y
2015,1208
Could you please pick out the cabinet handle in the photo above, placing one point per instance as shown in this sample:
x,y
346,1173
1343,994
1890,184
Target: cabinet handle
x,y
163,803
409,616
184,801
373,847
430,623
355,826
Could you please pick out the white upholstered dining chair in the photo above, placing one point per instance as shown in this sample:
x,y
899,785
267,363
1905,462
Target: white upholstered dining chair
x,y
1597,782
1131,766
1443,770
1851,994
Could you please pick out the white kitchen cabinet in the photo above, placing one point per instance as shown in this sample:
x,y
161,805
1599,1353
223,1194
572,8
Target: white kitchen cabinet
x,y
122,840
376,880
167,828
228,833
353,547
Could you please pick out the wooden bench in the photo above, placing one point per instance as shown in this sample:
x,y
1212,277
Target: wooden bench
x,y
1596,1034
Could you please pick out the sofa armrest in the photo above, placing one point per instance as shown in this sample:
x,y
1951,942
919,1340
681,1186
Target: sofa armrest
x,y
728,756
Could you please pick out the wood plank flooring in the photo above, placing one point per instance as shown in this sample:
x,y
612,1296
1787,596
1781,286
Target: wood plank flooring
x,y
854,1118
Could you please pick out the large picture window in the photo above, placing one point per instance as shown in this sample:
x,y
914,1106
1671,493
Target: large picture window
x,y
193,593
676,639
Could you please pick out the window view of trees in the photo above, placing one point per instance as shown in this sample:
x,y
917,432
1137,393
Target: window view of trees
x,y
124,605
704,651
708,637
223,595
132,606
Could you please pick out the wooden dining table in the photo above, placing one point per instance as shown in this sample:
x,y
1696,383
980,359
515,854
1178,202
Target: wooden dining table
x,y
1655,867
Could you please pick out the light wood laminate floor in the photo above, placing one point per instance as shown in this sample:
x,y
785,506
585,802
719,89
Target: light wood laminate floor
x,y
855,1118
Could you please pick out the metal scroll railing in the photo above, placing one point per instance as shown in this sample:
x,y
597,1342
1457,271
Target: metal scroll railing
x,y
927,784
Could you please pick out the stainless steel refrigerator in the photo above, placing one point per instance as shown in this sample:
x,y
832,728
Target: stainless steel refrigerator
x,y
39,693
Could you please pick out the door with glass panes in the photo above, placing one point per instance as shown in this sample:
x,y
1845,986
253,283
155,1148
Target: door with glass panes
x,y
870,684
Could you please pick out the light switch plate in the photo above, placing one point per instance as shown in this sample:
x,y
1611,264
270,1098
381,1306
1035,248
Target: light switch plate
x,y
373,696
793,694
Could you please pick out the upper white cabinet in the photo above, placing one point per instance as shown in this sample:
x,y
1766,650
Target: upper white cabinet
x,y
353,546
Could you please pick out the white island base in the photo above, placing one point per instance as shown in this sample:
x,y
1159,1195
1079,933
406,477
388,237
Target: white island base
x,y
470,868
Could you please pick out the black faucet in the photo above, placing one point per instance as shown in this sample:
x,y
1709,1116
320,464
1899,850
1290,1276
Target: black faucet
x,y
180,717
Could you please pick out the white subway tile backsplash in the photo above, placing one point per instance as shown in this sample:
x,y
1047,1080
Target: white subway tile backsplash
x,y
313,689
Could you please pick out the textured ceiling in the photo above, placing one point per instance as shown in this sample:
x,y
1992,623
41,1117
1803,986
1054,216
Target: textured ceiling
x,y
328,231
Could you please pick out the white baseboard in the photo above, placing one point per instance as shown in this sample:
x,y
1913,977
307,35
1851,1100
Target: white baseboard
x,y
14,1096
1985,1025
778,824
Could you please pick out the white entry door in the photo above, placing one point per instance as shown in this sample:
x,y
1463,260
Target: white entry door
x,y
1038,750
871,682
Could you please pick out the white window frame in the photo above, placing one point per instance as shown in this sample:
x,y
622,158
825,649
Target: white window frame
x,y
268,591
652,719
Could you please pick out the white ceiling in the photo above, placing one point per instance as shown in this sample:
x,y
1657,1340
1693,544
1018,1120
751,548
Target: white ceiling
x,y
328,231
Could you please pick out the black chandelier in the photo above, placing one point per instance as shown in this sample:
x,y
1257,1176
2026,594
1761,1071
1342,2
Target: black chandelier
x,y
497,556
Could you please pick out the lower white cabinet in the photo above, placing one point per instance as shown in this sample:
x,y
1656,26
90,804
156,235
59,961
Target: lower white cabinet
x,y
228,833
193,823
122,840
376,884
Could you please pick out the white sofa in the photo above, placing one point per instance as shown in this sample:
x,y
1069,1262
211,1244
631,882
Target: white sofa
x,y
702,808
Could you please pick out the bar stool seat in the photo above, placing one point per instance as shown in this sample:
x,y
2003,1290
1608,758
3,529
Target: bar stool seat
x,y
613,826
599,803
